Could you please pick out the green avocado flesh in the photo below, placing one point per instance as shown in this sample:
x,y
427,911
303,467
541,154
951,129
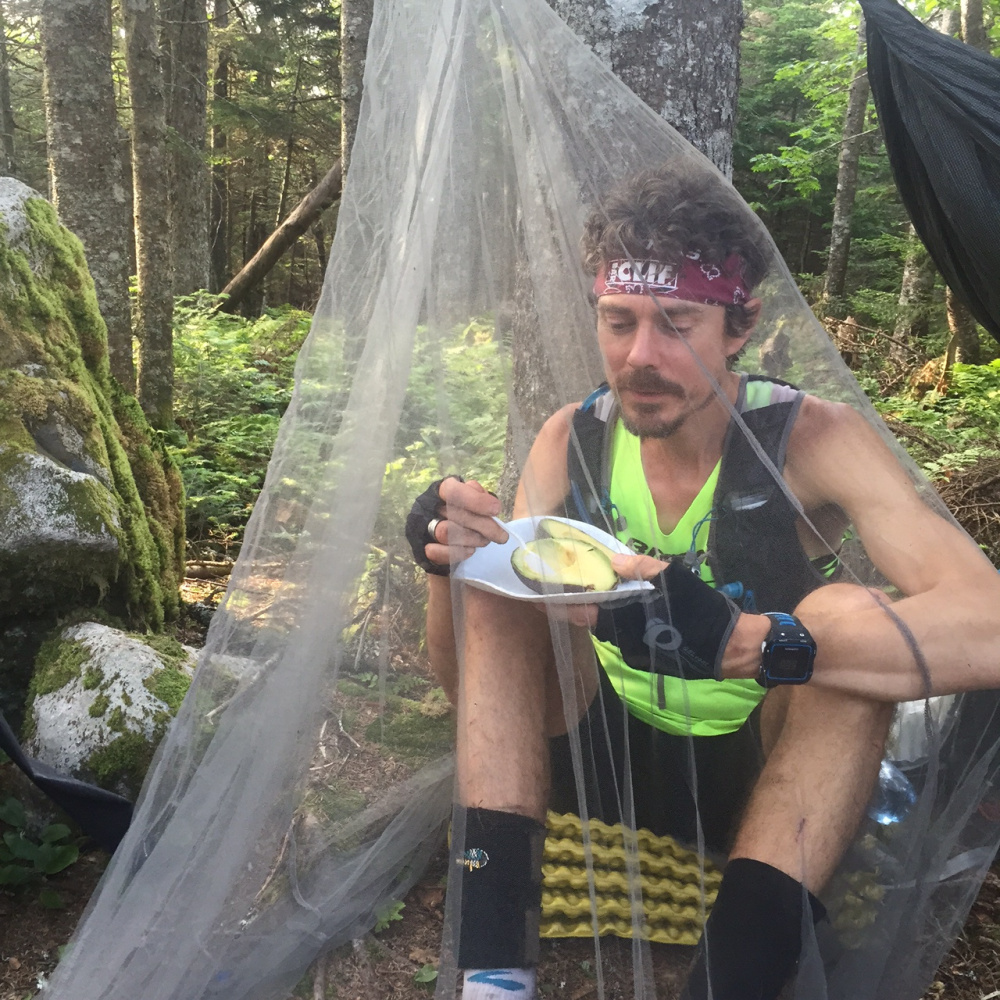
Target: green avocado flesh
x,y
549,527
563,564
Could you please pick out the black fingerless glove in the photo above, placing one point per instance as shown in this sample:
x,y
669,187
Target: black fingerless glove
x,y
426,507
680,629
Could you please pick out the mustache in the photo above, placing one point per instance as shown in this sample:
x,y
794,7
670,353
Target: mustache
x,y
648,381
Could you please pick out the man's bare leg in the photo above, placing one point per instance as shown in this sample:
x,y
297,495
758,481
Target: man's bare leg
x,y
509,703
823,754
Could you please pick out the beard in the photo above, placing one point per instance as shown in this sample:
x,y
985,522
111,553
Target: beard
x,y
644,421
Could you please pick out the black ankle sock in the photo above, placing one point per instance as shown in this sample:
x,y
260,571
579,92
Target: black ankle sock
x,y
501,889
753,936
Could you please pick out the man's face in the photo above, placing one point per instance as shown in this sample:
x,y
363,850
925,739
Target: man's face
x,y
651,349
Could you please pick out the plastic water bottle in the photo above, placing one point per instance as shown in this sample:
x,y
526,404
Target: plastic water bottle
x,y
894,797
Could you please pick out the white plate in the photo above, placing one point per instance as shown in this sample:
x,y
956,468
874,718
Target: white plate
x,y
489,568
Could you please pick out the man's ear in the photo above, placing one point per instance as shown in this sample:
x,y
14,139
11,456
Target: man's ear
x,y
752,308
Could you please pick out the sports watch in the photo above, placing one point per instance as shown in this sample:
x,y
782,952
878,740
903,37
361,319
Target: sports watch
x,y
787,654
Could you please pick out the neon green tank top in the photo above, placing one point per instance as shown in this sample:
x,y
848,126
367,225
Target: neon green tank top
x,y
684,707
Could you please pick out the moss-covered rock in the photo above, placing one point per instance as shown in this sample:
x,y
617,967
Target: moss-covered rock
x,y
101,700
89,501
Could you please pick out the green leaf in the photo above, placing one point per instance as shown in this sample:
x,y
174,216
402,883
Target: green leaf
x,y
57,857
388,913
19,846
15,875
51,899
12,812
425,974
55,832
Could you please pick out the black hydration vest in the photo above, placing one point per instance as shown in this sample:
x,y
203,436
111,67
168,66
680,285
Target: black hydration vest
x,y
748,505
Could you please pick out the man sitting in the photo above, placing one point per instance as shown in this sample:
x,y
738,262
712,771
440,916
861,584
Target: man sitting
x,y
783,770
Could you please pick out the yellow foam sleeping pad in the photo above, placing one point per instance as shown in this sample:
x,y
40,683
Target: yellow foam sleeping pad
x,y
671,884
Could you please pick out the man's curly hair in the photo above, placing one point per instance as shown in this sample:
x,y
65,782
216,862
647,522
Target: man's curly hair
x,y
668,211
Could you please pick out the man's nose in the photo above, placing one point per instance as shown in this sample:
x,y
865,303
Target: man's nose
x,y
645,348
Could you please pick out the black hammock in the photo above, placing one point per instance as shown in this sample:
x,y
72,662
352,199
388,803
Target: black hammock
x,y
938,103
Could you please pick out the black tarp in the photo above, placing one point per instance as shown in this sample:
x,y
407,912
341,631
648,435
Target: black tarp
x,y
938,103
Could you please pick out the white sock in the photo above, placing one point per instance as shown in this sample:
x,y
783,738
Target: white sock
x,y
499,984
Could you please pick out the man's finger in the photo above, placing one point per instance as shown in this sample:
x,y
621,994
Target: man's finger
x,y
446,554
471,496
637,567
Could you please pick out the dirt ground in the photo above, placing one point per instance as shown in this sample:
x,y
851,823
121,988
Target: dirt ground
x,y
387,966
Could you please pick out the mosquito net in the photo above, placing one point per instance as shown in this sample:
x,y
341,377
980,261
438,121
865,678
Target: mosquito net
x,y
310,776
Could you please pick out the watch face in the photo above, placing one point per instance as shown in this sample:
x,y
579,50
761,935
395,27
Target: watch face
x,y
789,662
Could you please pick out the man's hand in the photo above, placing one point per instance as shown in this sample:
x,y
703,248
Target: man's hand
x,y
452,519
695,616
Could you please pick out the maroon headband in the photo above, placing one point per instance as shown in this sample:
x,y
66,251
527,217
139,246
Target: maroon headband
x,y
693,281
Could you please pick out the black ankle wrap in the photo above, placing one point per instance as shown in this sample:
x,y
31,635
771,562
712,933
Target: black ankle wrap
x,y
753,935
501,889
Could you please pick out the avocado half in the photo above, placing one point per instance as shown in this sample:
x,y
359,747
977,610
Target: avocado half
x,y
566,565
550,527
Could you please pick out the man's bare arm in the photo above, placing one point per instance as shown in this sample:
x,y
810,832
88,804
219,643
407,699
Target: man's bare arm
x,y
951,594
468,526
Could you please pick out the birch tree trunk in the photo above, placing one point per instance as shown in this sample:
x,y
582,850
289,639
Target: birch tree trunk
x,y
151,177
355,24
219,252
85,158
682,57
185,67
914,300
964,343
847,177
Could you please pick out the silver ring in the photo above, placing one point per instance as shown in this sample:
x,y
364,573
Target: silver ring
x,y
432,527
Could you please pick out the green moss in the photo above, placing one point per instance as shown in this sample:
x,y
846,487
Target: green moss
x,y
92,678
59,661
116,721
100,706
51,318
338,801
169,685
123,762
412,735
165,646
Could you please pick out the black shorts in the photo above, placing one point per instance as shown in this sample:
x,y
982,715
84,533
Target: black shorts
x,y
674,779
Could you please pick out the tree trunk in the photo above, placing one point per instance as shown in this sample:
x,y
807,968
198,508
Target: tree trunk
x,y
964,333
964,343
8,159
286,174
973,30
301,218
355,23
220,168
150,172
847,177
681,57
185,65
914,300
85,158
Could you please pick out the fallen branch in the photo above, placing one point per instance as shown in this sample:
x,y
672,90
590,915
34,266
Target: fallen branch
x,y
312,206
